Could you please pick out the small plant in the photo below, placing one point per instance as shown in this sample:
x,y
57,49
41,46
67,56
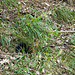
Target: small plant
x,y
29,28
4,41
72,39
9,4
63,15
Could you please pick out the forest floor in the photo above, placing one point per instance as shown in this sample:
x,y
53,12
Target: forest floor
x,y
60,60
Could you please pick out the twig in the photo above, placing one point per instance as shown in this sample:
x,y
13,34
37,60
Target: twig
x,y
66,31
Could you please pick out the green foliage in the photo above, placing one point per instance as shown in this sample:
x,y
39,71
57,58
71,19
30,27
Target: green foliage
x,y
72,39
63,15
4,40
69,60
29,27
9,4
